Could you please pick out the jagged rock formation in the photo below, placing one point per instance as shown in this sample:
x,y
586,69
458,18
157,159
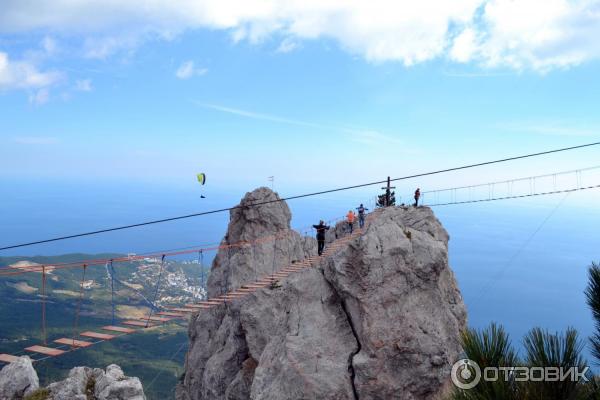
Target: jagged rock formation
x,y
379,318
237,265
18,380
84,383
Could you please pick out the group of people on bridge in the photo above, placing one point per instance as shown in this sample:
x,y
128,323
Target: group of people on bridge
x,y
322,228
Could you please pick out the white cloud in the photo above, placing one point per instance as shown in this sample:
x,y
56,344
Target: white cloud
x,y
264,117
492,33
24,75
35,140
464,47
40,97
553,128
287,45
84,85
357,135
538,35
49,45
187,70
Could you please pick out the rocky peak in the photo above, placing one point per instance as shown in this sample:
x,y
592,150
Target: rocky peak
x,y
18,380
239,264
378,317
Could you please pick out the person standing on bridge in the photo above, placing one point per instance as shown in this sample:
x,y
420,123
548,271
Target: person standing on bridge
x,y
417,196
321,228
361,215
350,217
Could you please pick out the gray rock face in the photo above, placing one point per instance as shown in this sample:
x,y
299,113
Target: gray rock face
x,y
84,382
74,387
114,385
402,301
18,379
379,318
237,265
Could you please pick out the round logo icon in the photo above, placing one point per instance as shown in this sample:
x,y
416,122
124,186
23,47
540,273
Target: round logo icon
x,y
465,374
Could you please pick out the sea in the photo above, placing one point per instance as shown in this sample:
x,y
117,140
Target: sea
x,y
521,263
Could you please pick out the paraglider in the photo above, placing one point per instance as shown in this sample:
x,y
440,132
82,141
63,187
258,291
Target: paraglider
x,y
202,180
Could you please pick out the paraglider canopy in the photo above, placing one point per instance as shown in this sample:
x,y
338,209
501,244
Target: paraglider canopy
x,y
201,178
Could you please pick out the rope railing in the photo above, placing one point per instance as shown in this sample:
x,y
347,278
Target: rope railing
x,y
12,271
229,295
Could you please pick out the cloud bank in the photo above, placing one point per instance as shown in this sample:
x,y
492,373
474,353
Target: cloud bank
x,y
24,75
518,34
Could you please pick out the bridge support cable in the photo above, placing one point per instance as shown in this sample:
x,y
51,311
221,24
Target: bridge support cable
x,y
76,318
484,200
339,189
510,188
111,272
44,337
162,265
201,265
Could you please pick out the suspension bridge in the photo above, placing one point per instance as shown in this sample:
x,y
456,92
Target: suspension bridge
x,y
560,182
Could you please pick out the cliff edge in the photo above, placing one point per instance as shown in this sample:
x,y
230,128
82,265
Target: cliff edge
x,y
377,318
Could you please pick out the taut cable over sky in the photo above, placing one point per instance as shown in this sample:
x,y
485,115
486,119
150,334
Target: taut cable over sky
x,y
302,195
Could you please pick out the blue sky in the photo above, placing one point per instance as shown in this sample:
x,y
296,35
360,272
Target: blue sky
x,y
318,95
109,108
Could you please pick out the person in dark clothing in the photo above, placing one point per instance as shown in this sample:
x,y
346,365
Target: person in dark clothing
x,y
321,228
361,215
417,196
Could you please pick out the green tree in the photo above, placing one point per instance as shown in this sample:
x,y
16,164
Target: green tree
x,y
544,349
592,293
381,199
490,347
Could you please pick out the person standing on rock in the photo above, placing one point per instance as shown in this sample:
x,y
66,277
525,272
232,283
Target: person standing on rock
x,y
361,215
417,196
350,218
321,228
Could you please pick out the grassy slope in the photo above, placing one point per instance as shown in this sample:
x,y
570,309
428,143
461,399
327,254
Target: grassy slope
x,y
147,355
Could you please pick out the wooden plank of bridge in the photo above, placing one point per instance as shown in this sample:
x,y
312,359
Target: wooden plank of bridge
x,y
48,351
199,306
73,342
8,358
139,323
171,314
236,294
179,309
245,289
97,335
156,319
121,329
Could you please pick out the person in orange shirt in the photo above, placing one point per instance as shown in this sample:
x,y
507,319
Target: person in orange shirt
x,y
350,218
